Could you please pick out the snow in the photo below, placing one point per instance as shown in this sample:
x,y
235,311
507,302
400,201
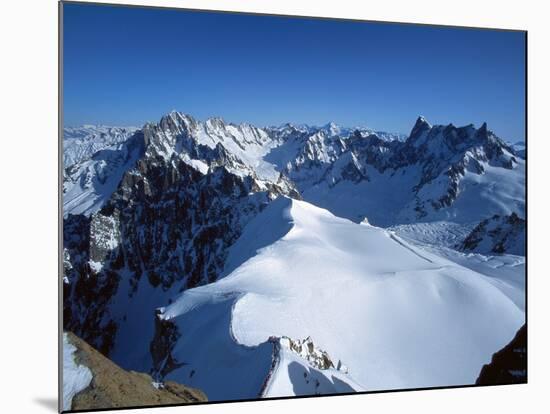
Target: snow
x,y
506,271
214,361
399,315
388,198
402,308
437,233
249,144
88,184
80,143
293,377
380,199
199,165
314,159
519,148
95,266
497,191
75,377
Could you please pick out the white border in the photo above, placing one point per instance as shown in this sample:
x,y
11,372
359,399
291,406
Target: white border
x,y
28,208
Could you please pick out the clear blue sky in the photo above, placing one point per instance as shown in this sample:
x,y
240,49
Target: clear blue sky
x,y
126,66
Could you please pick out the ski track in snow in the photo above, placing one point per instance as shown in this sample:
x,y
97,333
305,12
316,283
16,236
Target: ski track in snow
x,y
401,243
507,271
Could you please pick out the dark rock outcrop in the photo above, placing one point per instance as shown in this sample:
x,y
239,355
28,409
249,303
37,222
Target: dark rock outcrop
x,y
509,365
497,235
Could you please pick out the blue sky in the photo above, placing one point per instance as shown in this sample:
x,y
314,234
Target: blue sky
x,y
127,66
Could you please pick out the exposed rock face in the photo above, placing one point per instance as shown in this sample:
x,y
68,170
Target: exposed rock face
x,y
444,154
499,234
509,365
87,290
169,221
161,347
307,350
113,387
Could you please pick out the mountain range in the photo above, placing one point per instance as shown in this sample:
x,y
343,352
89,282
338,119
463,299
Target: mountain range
x,y
257,262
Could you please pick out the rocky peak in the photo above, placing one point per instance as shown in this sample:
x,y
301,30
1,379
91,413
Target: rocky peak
x,y
332,129
483,129
307,350
177,123
421,127
215,124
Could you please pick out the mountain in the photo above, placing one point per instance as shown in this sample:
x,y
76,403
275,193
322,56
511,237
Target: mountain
x,y
160,222
437,173
459,174
337,282
520,148
89,183
91,381
332,129
169,215
80,143
498,234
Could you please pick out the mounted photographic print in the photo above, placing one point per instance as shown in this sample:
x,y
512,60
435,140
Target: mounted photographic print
x,y
262,206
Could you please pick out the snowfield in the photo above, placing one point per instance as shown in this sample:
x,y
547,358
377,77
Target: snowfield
x,y
398,315
75,377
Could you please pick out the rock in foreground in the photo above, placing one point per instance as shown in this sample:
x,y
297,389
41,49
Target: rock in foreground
x,y
509,365
112,387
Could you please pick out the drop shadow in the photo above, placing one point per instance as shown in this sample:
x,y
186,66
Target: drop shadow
x,y
49,403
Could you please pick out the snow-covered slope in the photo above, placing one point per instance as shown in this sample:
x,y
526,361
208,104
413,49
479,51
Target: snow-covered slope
x,y
296,371
89,183
520,148
397,316
75,377
440,173
80,143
